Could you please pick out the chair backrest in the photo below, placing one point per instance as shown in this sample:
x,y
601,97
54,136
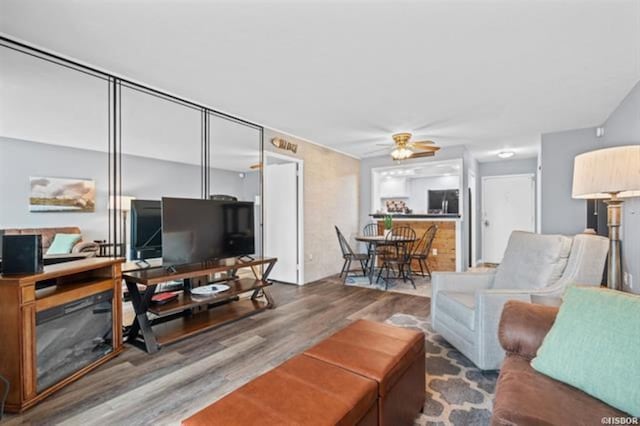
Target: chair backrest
x,y
532,261
423,247
404,232
344,245
370,230
587,260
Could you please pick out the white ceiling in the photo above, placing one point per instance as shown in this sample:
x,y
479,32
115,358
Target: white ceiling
x,y
488,74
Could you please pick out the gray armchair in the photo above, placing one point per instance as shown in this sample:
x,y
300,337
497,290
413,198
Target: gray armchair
x,y
466,307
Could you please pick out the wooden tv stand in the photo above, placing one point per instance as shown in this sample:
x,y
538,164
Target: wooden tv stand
x,y
189,315
23,298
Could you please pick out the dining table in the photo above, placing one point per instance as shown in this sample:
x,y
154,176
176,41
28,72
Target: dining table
x,y
373,241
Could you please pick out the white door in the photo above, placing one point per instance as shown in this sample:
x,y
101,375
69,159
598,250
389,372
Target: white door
x,y
281,220
508,204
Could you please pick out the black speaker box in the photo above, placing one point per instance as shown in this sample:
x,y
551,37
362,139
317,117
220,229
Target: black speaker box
x,y
22,254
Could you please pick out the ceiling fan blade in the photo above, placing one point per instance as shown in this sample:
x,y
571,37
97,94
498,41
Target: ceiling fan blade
x,y
423,143
426,148
256,166
422,154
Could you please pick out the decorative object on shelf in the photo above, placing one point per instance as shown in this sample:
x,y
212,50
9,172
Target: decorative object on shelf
x,y
388,225
284,144
610,174
122,203
209,290
164,298
396,206
62,195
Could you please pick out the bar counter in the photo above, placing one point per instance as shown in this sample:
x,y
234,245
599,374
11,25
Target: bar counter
x,y
444,243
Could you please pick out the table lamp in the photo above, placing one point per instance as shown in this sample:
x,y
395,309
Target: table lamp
x,y
122,203
610,174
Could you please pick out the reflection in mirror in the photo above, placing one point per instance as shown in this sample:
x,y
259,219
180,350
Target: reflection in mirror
x,y
54,152
161,157
235,165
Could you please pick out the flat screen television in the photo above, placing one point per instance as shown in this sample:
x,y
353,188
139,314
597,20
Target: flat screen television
x,y
146,229
443,201
195,230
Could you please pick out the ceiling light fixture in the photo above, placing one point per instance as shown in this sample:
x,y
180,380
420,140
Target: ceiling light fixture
x,y
401,153
506,154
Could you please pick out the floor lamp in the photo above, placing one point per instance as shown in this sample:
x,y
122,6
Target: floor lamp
x,y
121,203
610,174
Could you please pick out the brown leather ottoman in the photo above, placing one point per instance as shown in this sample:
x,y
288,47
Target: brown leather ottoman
x,y
392,356
302,391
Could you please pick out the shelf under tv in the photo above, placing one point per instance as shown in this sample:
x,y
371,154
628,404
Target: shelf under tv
x,y
186,326
186,301
188,315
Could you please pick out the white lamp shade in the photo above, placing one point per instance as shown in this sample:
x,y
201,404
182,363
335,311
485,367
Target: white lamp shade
x,y
599,174
120,202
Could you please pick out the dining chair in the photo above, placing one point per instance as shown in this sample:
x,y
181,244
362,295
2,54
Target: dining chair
x,y
423,249
349,256
370,230
396,253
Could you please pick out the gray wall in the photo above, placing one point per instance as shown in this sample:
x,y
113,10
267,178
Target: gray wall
x,y
561,213
143,178
508,167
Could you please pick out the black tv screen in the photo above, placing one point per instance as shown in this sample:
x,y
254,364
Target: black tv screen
x,y
146,229
195,230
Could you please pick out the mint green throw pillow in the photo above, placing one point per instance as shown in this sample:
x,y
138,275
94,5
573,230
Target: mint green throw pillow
x,y
63,243
594,345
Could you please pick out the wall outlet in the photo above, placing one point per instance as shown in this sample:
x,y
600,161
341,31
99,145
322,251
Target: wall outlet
x,y
310,256
627,280
434,251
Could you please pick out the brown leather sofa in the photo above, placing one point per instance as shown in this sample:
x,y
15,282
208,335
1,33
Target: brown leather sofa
x,y
82,248
526,397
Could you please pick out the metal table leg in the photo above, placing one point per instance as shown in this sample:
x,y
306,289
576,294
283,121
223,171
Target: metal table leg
x,y
263,291
374,258
141,323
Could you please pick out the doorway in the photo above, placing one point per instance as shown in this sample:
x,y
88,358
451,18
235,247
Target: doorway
x,y
283,221
508,204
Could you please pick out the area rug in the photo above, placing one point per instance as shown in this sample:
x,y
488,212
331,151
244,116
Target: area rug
x,y
457,392
423,285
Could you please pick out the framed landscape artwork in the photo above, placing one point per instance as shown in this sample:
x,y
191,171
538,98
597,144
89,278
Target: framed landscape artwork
x,y
62,195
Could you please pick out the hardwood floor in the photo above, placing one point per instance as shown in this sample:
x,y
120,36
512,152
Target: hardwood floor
x,y
164,388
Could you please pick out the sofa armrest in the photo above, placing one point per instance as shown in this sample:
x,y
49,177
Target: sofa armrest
x,y
85,247
461,281
523,327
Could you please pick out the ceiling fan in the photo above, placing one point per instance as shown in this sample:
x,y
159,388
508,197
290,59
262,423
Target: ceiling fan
x,y
404,148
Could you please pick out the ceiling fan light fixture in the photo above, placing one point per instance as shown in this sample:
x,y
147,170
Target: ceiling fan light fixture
x,y
506,154
401,153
